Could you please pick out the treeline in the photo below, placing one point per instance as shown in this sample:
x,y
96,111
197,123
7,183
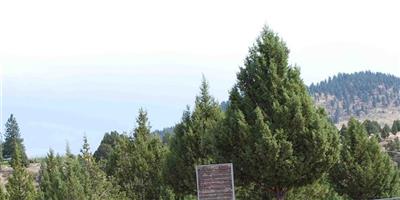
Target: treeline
x,y
280,144
360,84
374,128
357,93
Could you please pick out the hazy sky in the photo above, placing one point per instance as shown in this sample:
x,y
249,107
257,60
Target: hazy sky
x,y
74,67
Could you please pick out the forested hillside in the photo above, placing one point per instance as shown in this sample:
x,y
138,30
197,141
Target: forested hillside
x,y
364,95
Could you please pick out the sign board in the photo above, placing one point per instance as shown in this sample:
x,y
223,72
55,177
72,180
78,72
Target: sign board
x,y
215,182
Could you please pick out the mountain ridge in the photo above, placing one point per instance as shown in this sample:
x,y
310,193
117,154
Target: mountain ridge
x,y
363,95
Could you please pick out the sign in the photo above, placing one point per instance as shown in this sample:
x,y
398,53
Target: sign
x,y
215,182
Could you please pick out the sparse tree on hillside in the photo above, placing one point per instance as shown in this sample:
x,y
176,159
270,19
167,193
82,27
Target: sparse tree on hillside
x,y
385,132
372,127
364,170
289,143
396,126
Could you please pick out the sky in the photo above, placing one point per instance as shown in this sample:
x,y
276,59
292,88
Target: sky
x,y
83,67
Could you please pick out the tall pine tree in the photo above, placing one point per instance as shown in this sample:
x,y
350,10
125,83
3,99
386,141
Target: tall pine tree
x,y
286,142
12,135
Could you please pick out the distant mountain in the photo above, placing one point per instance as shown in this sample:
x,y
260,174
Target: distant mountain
x,y
364,95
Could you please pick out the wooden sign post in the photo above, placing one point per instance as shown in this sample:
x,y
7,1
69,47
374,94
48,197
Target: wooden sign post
x,y
215,182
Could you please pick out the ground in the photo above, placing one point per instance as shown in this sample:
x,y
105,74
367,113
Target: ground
x,y
6,171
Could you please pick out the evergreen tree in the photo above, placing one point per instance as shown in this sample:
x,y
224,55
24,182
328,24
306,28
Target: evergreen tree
x,y
289,143
140,161
52,185
107,146
321,189
20,184
232,138
396,126
111,149
372,127
72,176
12,135
204,120
385,132
177,171
364,171
193,143
94,181
343,130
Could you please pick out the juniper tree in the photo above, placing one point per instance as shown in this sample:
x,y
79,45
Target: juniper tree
x,y
72,176
232,138
177,172
193,143
139,163
364,170
107,145
52,185
75,177
12,135
20,185
319,190
111,148
289,142
94,181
